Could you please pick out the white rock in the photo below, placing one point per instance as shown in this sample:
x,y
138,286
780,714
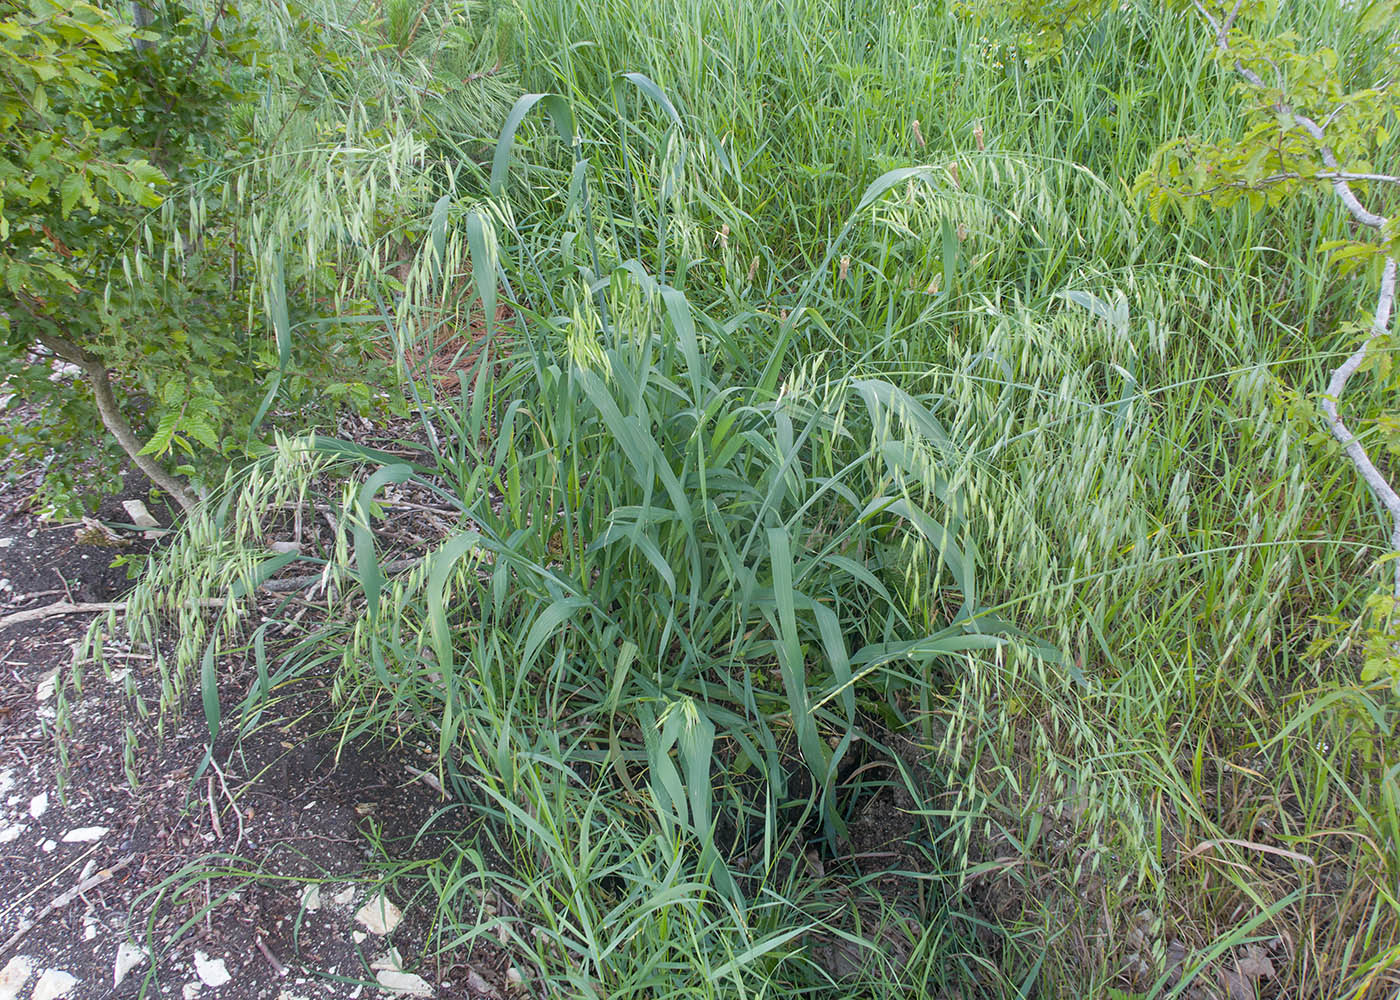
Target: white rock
x,y
405,983
311,898
190,990
47,685
14,976
359,936
7,780
344,897
10,833
48,846
119,676
140,516
39,805
85,835
53,984
129,956
211,972
379,916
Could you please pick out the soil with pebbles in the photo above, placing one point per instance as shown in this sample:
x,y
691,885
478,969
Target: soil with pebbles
x,y
252,878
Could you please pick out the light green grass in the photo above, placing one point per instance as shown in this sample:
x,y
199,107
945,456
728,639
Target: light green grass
x,y
767,410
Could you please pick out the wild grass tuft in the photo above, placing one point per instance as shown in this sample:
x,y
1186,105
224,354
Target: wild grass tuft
x,y
850,410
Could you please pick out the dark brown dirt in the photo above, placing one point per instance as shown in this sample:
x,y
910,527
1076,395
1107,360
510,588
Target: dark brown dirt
x,y
198,862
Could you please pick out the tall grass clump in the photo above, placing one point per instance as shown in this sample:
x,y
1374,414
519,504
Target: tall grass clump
x,y
850,417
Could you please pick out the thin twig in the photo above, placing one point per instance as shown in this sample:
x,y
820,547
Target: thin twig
x,y
233,803
214,811
63,899
277,966
1272,179
59,608
278,586
70,608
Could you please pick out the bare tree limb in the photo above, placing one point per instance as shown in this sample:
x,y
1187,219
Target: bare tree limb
x,y
59,608
1374,478
280,585
1261,183
1348,175
142,17
1339,177
1379,485
115,422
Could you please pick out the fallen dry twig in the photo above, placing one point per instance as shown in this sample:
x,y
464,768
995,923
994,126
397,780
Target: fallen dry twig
x,y
64,898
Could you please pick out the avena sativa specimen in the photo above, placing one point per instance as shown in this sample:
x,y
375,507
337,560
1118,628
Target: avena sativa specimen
x,y
1125,449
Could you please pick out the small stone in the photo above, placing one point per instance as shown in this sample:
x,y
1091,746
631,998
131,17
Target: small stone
x,y
11,833
190,990
94,532
47,685
53,984
359,936
85,835
211,971
140,516
129,956
344,897
379,915
403,982
48,846
39,805
14,976
311,898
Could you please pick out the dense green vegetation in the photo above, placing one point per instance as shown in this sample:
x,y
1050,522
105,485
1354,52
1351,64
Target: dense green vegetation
x,y
847,431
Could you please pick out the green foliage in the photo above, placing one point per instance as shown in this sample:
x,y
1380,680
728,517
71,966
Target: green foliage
x,y
59,164
98,132
1043,29
1110,401
1270,156
157,200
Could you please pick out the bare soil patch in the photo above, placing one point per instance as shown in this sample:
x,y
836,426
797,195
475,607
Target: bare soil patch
x,y
237,879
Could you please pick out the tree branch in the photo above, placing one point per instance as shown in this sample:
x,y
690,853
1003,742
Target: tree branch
x,y
1384,492
1338,177
115,422
1380,324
